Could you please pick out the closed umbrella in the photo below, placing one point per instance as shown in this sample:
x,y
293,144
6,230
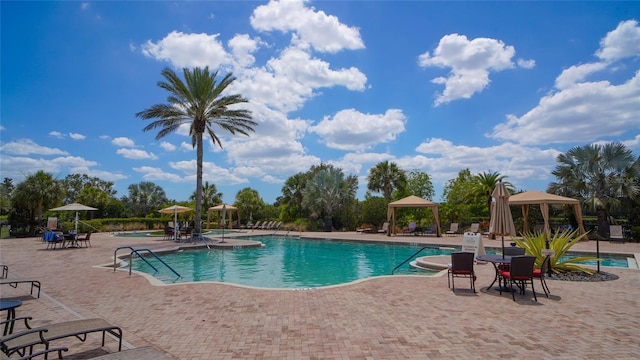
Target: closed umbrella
x,y
74,207
175,209
501,219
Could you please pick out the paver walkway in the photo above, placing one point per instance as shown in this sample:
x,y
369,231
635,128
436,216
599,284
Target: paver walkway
x,y
406,317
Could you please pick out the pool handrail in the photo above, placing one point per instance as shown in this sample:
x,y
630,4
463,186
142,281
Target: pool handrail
x,y
137,252
412,256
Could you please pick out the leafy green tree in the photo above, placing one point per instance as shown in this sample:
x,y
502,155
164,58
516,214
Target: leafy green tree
x,y
456,205
248,201
6,189
328,191
210,196
418,184
199,102
74,184
374,210
485,183
292,191
601,175
386,177
144,198
35,194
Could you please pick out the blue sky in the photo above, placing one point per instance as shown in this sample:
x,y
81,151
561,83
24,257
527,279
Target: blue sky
x,y
433,86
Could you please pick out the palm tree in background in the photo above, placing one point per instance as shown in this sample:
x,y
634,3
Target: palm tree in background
x,y
385,177
198,101
144,197
484,184
328,191
210,196
601,175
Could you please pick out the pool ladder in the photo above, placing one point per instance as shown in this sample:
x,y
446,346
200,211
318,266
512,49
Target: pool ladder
x,y
411,258
137,252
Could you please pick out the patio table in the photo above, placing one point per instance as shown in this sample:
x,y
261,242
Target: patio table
x,y
496,261
10,306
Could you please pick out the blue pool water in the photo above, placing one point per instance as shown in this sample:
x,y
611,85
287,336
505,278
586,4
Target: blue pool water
x,y
286,262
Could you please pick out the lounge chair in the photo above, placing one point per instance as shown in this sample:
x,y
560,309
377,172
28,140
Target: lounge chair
x,y
615,233
5,271
453,230
19,342
474,227
141,353
86,239
14,283
411,229
364,230
385,228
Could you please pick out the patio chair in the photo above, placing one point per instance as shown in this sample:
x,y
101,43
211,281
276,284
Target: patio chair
x,y
520,273
52,239
461,266
542,272
86,239
474,227
363,230
453,229
615,233
513,251
5,271
20,341
168,233
14,283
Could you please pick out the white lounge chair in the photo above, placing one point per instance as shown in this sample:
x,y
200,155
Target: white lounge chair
x,y
453,229
615,233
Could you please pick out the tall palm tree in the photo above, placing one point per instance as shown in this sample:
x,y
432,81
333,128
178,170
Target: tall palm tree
x,y
602,175
328,191
199,102
385,177
484,184
210,196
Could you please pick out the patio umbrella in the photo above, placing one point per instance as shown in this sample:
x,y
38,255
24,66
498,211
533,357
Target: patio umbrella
x,y
501,219
175,209
74,207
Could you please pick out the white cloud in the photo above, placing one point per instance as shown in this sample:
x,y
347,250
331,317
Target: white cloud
x,y
186,146
188,50
577,73
76,136
136,154
27,147
123,141
167,146
324,32
620,43
526,64
153,174
352,130
444,160
242,47
470,62
57,134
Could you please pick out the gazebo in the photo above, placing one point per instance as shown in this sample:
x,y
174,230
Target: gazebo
x,y
229,209
533,197
412,201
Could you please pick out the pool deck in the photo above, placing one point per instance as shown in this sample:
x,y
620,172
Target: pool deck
x,y
400,317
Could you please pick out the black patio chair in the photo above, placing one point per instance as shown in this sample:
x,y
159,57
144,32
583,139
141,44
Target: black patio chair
x,y
520,273
461,266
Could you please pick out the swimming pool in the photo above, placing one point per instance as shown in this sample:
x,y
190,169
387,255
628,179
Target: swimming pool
x,y
290,263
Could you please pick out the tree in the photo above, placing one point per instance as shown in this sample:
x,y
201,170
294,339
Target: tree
x,y
6,189
292,193
484,183
36,193
144,198
418,184
601,175
385,177
198,102
456,205
328,191
74,184
248,202
210,196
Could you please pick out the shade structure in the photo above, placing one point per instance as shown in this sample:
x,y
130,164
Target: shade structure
x,y
543,199
74,207
175,209
412,201
501,219
230,209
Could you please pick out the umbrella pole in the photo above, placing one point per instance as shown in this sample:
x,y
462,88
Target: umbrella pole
x,y
503,246
175,225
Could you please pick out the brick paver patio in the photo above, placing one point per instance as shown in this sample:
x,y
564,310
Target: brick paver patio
x,y
400,317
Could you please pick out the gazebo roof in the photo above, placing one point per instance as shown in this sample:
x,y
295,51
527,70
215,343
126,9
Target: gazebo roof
x,y
412,201
539,197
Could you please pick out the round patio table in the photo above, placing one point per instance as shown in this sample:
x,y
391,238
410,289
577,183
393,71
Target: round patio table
x,y
10,307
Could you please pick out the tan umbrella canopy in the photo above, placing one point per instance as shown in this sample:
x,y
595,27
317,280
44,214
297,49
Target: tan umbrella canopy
x,y
501,219
412,201
74,207
227,209
175,209
533,197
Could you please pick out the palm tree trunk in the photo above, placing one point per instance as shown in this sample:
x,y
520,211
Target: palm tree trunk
x,y
199,156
